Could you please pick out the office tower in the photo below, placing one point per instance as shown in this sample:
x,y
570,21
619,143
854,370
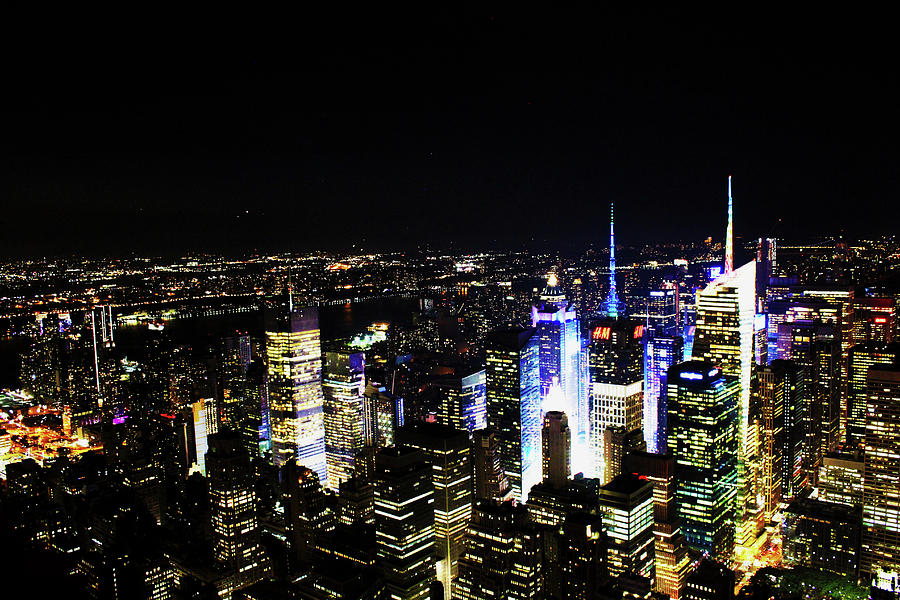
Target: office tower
x,y
612,305
449,452
861,358
234,361
626,504
559,350
617,383
502,556
256,427
205,423
556,441
658,309
582,558
513,405
294,374
343,384
463,400
617,442
549,506
356,501
782,397
491,482
404,521
232,499
823,536
873,320
766,264
672,563
816,346
841,479
724,336
880,558
660,353
382,415
306,514
703,420
710,581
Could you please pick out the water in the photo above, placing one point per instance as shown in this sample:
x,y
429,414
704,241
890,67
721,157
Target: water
x,y
334,321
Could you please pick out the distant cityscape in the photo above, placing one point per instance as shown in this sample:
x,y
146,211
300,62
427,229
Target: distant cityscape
x,y
711,419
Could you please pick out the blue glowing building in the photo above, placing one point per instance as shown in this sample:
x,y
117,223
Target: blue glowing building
x,y
661,352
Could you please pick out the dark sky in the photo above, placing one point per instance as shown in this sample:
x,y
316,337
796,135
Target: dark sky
x,y
476,128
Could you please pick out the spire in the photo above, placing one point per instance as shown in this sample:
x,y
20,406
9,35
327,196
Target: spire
x,y
290,293
611,305
729,236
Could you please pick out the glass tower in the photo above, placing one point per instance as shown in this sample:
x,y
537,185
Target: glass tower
x,y
343,386
296,403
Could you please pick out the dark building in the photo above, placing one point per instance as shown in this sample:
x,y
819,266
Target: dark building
x,y
822,535
710,581
556,439
491,481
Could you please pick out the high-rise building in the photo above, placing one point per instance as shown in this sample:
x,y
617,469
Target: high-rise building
x,y
880,559
233,362
617,442
823,536
205,423
661,352
781,393
343,384
658,309
626,504
404,521
491,482
382,414
703,417
294,376
235,527
582,556
672,563
449,452
356,501
463,400
549,506
513,405
306,513
555,438
559,348
766,263
873,320
841,479
861,358
503,557
616,383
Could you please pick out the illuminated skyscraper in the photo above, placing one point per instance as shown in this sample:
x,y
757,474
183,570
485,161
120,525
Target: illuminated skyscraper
x,y
841,479
294,372
703,420
616,375
235,528
463,401
343,384
559,339
233,363
661,352
449,452
861,358
880,558
556,441
382,416
514,405
503,556
670,548
626,504
404,522
873,320
782,397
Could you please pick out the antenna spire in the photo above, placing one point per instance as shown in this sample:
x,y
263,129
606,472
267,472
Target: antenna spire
x,y
290,293
612,297
729,235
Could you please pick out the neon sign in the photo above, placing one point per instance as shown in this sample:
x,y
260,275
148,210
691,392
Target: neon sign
x,y
638,331
692,376
600,333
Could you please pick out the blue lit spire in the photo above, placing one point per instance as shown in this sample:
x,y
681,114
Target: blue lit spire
x,y
611,305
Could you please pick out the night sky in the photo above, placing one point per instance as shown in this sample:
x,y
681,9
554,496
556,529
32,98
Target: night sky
x,y
474,129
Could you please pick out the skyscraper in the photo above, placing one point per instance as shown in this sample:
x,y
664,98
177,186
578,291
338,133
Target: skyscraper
x,y
503,555
661,352
294,373
616,377
513,405
344,382
626,504
556,441
233,362
404,521
463,401
861,358
235,528
880,560
703,417
491,482
449,452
